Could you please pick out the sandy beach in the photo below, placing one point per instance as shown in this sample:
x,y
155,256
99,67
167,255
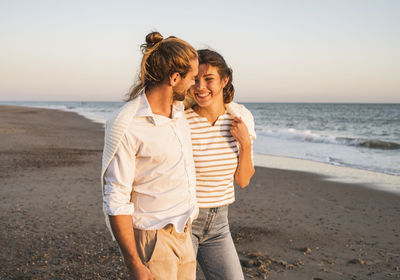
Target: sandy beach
x,y
286,224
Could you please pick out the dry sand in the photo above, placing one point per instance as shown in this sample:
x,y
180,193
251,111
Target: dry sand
x,y
286,224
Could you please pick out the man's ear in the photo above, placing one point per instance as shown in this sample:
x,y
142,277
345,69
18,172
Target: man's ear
x,y
174,79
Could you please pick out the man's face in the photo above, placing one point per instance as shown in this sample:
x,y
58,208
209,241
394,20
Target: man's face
x,y
183,86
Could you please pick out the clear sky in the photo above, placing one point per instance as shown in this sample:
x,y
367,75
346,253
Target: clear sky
x,y
280,51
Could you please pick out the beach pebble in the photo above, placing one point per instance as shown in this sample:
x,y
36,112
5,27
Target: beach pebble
x,y
305,250
284,263
289,266
246,262
356,261
255,254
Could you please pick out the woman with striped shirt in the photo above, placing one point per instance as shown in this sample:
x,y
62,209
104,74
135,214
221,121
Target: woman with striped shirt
x,y
222,151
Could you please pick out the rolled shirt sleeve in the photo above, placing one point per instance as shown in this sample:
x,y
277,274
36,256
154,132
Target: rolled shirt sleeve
x,y
119,178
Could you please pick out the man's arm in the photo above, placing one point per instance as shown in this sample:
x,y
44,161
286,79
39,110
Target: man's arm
x,y
119,178
123,231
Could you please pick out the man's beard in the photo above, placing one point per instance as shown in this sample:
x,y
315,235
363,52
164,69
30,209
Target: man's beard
x,y
179,95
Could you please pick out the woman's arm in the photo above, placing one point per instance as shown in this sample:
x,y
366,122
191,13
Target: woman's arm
x,y
245,168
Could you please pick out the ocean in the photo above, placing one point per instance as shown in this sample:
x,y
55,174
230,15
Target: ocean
x,y
361,136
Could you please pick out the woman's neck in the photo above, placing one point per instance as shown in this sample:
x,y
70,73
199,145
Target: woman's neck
x,y
211,112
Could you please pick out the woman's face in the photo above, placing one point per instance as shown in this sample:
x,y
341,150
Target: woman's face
x,y
209,86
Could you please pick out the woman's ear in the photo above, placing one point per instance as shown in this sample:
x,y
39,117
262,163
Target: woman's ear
x,y
225,81
174,79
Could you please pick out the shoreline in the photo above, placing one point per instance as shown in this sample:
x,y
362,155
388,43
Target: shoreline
x,y
330,172
285,224
341,173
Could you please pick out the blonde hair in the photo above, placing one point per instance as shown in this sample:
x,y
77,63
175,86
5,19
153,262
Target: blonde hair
x,y
161,58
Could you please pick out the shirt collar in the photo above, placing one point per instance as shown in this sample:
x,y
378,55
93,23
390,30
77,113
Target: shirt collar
x,y
144,109
177,109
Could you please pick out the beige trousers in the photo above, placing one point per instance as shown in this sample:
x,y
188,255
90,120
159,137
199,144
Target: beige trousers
x,y
167,253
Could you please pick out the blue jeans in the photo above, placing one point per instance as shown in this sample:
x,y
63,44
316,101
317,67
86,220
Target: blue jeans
x,y
214,246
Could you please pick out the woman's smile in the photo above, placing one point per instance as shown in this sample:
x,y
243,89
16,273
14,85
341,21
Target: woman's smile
x,y
202,95
208,87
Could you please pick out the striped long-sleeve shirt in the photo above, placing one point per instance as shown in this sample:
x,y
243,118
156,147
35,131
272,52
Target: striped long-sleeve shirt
x,y
215,153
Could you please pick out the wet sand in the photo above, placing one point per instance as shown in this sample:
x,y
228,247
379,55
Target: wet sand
x,y
286,224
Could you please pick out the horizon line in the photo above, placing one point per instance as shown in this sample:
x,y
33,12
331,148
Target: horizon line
x,y
255,102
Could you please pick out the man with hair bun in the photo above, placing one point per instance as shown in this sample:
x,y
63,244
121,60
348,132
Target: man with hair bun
x,y
148,176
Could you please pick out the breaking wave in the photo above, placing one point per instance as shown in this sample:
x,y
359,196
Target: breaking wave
x,y
309,136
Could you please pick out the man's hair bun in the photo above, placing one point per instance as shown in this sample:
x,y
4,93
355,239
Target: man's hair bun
x,y
152,39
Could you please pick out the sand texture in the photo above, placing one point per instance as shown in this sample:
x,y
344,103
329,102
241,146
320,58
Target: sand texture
x,y
286,224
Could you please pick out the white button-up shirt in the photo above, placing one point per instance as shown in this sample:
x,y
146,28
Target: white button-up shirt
x,y
152,175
